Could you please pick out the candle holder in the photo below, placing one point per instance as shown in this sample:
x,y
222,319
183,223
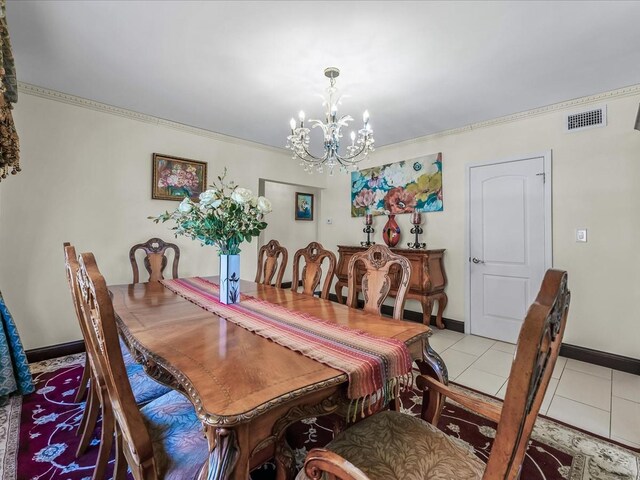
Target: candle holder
x,y
416,220
368,229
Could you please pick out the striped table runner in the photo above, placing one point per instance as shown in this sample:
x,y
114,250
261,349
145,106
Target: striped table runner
x,y
375,366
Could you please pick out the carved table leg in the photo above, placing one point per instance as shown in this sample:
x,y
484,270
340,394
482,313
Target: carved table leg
x,y
432,365
442,304
223,454
285,461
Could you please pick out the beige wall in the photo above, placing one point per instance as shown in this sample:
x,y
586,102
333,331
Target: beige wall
x,y
595,185
292,234
86,179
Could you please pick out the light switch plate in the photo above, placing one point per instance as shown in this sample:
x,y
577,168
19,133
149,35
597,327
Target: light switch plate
x,y
581,235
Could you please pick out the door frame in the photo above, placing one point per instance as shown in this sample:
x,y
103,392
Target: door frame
x,y
548,220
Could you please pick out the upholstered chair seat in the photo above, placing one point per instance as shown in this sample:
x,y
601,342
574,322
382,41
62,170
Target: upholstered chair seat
x,y
145,388
179,445
392,445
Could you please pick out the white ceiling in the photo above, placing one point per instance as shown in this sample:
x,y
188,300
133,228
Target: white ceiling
x,y
245,68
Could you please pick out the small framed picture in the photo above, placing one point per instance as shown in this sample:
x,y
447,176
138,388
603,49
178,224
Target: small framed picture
x,y
304,206
174,178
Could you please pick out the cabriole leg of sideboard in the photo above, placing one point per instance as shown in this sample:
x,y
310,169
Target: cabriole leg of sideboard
x,y
442,304
427,307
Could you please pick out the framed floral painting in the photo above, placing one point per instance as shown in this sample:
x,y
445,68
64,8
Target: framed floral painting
x,y
304,206
401,187
175,178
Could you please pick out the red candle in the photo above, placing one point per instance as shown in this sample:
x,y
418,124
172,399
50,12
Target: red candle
x,y
416,218
368,219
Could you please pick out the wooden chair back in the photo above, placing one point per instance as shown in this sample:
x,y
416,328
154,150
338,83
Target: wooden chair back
x,y
155,260
314,254
376,280
267,267
536,353
71,269
100,323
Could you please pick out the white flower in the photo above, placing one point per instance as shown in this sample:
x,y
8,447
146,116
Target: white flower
x,y
207,197
264,205
241,195
185,206
380,194
397,175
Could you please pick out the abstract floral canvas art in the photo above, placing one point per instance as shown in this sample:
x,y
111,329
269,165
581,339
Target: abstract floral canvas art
x,y
176,178
401,187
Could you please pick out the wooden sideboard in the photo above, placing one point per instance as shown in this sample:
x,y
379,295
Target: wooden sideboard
x,y
427,284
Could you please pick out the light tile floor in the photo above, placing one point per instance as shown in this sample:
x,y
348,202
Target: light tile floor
x,y
594,398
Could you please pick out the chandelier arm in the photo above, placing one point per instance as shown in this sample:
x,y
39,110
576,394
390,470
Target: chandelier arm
x,y
349,159
310,158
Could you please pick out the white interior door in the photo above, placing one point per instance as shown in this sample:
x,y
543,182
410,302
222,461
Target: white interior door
x,y
506,244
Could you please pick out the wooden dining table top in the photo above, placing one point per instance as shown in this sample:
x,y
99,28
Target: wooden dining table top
x,y
229,373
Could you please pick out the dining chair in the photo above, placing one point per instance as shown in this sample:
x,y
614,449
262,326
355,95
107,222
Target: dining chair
x,y
84,380
163,439
391,445
268,266
313,254
155,260
146,389
382,270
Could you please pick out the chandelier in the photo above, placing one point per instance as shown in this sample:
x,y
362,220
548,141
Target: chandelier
x,y
332,156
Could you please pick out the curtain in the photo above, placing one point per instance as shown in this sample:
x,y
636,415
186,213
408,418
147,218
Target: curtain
x,y
14,368
9,143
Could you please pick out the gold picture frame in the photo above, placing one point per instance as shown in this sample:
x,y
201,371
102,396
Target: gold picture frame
x,y
174,178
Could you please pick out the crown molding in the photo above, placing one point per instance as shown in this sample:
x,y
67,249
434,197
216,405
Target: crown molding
x,y
597,98
69,99
42,92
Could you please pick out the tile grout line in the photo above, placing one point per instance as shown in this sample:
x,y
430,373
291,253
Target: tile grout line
x,y
554,393
582,403
622,398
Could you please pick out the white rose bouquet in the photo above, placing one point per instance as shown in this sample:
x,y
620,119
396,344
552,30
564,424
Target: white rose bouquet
x,y
225,216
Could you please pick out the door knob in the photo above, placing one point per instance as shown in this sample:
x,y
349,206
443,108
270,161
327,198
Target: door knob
x,y
477,260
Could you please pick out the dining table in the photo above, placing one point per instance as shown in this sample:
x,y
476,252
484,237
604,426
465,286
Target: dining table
x,y
246,389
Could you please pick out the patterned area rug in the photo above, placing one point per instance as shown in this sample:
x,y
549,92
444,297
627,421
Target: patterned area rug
x,y
38,436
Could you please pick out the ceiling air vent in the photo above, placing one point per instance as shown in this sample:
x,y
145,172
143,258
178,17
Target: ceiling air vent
x,y
592,118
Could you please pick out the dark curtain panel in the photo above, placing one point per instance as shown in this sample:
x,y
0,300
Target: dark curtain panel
x,y
9,144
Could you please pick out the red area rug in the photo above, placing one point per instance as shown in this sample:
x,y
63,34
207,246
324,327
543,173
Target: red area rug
x,y
49,420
